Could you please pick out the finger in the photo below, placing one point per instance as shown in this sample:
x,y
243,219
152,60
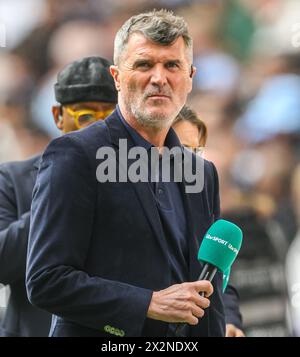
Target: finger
x,y
192,320
188,317
239,333
229,331
188,292
232,331
204,286
197,311
200,301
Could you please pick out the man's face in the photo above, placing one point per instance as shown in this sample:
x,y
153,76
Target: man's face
x,y
78,115
187,133
153,80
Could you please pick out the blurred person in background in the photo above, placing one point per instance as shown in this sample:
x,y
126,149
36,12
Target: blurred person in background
x,y
18,137
85,92
16,129
293,262
190,129
192,133
70,41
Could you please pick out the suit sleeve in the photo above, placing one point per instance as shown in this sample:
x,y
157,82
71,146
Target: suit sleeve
x,y
231,305
13,233
63,213
230,296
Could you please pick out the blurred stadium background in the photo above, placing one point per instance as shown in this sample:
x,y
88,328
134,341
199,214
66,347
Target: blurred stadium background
x,y
247,90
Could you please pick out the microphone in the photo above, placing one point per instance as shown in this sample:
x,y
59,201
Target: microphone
x,y
218,251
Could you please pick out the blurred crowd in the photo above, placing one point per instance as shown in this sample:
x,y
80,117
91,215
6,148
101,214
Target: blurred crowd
x,y
246,90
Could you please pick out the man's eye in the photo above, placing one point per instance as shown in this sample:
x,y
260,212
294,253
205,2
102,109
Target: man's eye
x,y
143,65
172,65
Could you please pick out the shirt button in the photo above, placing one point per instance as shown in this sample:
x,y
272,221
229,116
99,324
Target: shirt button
x,y
160,191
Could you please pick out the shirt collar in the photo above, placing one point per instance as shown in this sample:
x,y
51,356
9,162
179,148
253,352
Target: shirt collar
x,y
170,141
135,136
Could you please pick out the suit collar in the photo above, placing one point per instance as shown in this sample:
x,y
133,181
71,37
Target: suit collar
x,y
116,129
120,129
37,161
35,167
135,136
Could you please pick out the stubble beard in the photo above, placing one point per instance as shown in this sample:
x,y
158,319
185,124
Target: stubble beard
x,y
155,121
145,119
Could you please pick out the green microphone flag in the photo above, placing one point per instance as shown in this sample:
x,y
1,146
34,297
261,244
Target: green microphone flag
x,y
220,246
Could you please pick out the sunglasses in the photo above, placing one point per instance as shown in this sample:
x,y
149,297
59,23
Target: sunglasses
x,y
86,117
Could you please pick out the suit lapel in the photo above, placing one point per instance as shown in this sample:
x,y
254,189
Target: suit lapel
x,y
35,167
142,189
191,204
148,203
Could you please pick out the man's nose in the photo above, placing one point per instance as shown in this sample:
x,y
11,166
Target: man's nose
x,y
159,75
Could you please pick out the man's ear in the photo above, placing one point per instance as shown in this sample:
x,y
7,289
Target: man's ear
x,y
57,116
114,71
193,71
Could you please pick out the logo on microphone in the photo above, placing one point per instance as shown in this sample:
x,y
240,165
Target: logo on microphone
x,y
217,239
223,242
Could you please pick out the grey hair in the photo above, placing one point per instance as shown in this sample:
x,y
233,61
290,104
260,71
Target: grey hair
x,y
159,26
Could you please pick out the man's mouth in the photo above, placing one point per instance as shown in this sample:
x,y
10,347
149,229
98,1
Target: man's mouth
x,y
159,96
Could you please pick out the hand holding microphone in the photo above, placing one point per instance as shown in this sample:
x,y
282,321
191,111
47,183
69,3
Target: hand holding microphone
x,y
218,251
186,302
180,302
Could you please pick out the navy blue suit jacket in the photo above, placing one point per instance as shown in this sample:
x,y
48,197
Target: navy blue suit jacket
x,y
97,251
16,184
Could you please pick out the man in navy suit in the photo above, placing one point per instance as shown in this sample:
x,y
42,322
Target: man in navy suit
x,y
109,255
85,92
